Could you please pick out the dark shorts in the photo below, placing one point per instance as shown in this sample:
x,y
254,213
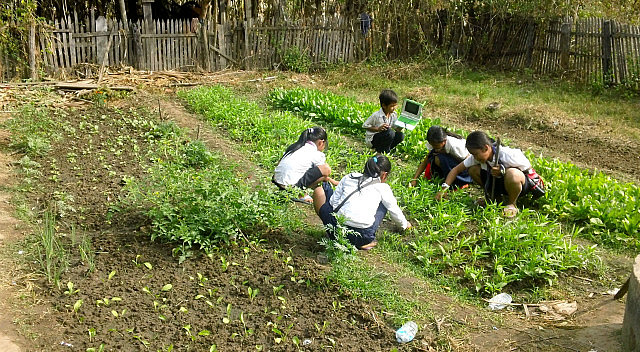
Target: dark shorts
x,y
487,180
447,162
309,178
358,237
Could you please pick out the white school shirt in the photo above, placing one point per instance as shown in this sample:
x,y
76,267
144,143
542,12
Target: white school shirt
x,y
293,166
376,120
454,146
360,209
508,157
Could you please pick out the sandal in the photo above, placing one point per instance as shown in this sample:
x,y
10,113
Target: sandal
x,y
306,199
510,211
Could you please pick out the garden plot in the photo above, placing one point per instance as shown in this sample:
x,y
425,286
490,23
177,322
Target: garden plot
x,y
162,296
113,290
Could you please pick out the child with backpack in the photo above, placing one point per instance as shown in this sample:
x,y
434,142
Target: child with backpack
x,y
363,199
446,150
500,170
303,163
380,133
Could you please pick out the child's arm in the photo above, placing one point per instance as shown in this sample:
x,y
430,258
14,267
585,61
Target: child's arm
x,y
451,176
371,127
421,168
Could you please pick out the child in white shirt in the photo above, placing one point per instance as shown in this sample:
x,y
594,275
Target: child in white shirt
x,y
363,199
303,163
380,133
446,150
511,170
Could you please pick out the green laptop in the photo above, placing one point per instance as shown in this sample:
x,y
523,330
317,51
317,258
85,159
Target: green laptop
x,y
410,115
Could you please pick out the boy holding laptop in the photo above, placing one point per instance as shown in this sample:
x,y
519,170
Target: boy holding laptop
x,y
380,131
384,127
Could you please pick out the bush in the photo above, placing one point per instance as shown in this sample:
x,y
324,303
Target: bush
x,y
294,59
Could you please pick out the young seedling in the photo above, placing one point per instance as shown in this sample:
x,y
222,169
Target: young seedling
x,y
99,349
227,319
70,290
202,279
77,305
277,289
253,292
92,334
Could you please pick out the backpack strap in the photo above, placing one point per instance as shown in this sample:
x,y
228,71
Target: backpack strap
x,y
373,182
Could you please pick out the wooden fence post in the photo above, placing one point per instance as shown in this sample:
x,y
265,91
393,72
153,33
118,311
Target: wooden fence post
x,y
565,43
204,46
607,75
32,50
150,43
531,39
101,41
248,23
138,55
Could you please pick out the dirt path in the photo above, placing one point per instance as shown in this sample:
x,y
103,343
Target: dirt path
x,y
9,339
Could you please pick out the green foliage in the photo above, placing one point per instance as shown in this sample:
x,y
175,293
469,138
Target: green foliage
x,y
34,130
313,104
609,210
206,206
52,256
340,249
446,233
574,194
296,60
264,134
197,155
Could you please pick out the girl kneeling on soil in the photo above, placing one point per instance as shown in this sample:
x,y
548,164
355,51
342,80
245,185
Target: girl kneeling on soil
x,y
511,171
303,163
446,150
363,199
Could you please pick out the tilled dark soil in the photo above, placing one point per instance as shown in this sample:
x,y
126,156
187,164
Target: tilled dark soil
x,y
244,297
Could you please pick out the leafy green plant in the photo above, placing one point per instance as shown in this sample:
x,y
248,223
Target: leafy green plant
x,y
296,60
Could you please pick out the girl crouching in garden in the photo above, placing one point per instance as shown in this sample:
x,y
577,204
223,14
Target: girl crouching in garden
x,y
303,163
510,173
446,150
363,199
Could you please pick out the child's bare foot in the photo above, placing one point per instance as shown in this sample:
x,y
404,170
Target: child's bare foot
x,y
510,211
367,247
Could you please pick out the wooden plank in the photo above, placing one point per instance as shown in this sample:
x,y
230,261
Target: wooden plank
x,y
177,43
157,47
72,45
185,27
189,51
82,86
92,42
43,48
57,41
168,55
76,29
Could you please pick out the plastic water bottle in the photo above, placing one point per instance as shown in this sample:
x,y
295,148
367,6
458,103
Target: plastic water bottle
x,y
407,332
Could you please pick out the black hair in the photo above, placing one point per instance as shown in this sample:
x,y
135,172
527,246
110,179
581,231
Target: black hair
x,y
437,134
387,96
477,140
313,134
374,167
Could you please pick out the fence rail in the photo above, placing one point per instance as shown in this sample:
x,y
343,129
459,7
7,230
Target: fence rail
x,y
587,49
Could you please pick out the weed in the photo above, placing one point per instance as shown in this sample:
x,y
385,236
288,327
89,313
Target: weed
x,y
52,256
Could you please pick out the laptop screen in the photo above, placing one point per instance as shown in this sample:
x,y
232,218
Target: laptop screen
x,y
412,107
